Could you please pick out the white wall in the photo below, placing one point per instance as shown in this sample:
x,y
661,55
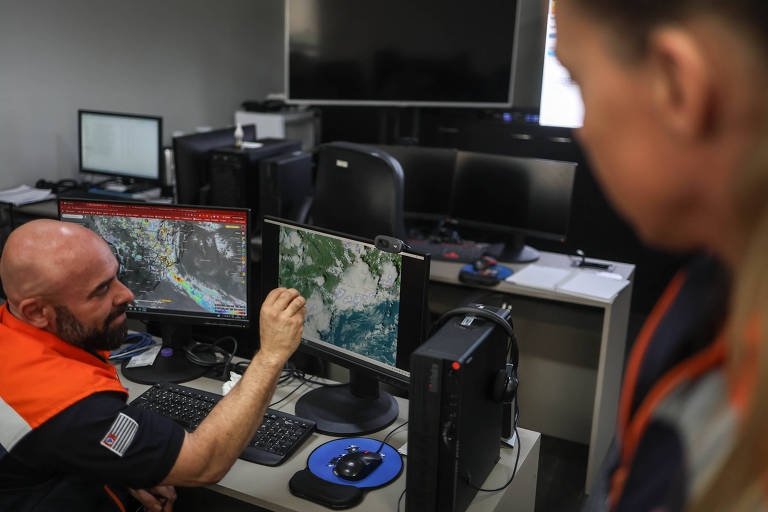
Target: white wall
x,y
190,61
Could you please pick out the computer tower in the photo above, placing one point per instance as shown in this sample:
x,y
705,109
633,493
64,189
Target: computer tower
x,y
286,186
234,172
454,428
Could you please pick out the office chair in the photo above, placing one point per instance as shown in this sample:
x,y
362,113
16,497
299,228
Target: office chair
x,y
358,191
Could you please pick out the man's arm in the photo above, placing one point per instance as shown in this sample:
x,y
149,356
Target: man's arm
x,y
208,452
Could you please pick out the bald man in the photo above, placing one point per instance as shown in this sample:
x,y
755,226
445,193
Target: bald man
x,y
60,399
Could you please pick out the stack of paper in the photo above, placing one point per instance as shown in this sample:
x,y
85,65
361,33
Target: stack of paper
x,y
24,194
588,283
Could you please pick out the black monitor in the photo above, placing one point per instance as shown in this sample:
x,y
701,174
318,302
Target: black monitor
x,y
406,53
185,265
191,154
499,198
365,312
127,146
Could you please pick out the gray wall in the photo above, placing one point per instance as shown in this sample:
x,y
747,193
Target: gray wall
x,y
190,61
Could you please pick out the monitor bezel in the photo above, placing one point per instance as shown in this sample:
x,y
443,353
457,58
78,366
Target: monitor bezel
x,y
186,318
401,103
383,372
160,157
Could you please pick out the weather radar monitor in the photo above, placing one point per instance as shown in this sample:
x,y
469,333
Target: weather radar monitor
x,y
365,311
185,265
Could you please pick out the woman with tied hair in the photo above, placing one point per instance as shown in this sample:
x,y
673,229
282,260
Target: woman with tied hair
x,y
676,127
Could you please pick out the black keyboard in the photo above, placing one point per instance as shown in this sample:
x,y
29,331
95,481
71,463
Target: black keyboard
x,y
279,435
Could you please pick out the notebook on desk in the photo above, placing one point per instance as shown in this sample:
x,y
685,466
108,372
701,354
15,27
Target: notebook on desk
x,y
585,283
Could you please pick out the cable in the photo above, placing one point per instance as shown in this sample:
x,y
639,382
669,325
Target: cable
x,y
514,470
303,382
391,433
142,341
400,499
221,357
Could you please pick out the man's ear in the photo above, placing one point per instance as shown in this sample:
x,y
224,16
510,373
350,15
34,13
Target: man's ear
x,y
683,87
36,313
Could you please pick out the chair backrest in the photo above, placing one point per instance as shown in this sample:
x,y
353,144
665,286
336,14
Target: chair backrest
x,y
358,191
428,179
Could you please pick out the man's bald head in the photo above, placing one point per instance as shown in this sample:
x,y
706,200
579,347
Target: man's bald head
x,y
42,256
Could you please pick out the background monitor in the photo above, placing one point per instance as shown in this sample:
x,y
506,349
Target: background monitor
x,y
425,53
124,145
191,154
502,198
561,104
185,266
365,311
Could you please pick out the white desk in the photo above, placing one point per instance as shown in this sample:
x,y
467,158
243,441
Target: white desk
x,y
571,353
268,487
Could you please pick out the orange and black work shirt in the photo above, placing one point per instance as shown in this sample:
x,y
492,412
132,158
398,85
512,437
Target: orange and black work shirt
x,y
674,406
68,441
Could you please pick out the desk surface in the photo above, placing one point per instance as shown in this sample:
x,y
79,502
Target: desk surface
x,y
448,272
268,487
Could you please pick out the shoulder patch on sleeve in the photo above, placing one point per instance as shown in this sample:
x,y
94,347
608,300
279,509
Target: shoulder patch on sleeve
x,y
120,434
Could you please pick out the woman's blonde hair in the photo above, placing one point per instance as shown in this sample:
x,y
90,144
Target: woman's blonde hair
x,y
742,483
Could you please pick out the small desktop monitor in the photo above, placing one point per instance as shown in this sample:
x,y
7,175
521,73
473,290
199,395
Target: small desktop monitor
x,y
498,198
191,156
365,311
127,146
185,266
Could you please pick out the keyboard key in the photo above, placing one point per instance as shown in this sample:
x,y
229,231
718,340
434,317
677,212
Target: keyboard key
x,y
279,435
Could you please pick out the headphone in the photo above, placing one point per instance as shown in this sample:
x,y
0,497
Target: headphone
x,y
506,381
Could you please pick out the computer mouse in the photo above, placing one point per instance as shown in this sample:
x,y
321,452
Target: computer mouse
x,y
357,465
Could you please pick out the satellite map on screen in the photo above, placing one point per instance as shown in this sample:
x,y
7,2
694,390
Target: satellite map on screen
x,y
352,291
178,265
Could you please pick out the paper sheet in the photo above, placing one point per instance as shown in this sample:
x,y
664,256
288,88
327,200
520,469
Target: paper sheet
x,y
539,276
24,194
593,285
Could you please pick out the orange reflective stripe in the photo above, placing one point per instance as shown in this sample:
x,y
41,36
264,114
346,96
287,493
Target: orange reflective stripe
x,y
115,498
41,375
638,350
689,369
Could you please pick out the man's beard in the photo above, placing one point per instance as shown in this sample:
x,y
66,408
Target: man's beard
x,y
71,330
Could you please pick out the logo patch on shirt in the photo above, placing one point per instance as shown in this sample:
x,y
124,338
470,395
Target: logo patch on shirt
x,y
120,434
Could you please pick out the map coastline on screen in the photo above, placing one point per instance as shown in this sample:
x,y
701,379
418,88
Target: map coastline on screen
x,y
352,291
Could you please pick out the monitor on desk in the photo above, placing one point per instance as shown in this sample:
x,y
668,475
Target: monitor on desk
x,y
126,146
185,266
365,312
499,198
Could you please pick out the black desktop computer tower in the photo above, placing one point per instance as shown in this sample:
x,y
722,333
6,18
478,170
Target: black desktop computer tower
x,y
286,186
454,430
234,172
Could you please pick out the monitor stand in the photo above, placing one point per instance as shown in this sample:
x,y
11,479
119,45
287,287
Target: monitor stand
x,y
515,250
357,408
173,366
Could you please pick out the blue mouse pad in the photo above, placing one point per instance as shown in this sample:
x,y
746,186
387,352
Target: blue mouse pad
x,y
320,464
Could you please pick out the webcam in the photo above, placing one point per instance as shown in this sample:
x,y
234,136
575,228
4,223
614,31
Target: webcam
x,y
389,244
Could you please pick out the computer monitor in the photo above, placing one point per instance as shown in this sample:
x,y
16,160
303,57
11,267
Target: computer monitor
x,y
498,198
191,155
365,312
128,146
429,53
185,266
561,104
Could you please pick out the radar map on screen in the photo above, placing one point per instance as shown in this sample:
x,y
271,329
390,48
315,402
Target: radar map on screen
x,y
352,291
178,265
